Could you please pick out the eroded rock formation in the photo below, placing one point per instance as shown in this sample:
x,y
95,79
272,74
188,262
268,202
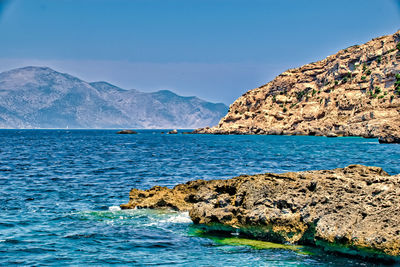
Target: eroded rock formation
x,y
355,92
353,210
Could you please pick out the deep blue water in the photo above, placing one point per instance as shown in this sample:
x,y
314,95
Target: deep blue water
x,y
58,189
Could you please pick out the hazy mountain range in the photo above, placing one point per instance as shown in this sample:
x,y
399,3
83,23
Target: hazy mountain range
x,y
39,97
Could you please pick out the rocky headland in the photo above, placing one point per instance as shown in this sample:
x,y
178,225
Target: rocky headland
x,y
353,210
355,92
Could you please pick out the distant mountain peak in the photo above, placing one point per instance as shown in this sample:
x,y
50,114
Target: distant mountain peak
x,y
164,91
34,68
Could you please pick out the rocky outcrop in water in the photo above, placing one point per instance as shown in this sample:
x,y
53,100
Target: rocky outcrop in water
x,y
173,132
126,132
353,210
355,92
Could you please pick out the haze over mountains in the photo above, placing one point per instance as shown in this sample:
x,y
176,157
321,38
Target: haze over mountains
x,y
39,97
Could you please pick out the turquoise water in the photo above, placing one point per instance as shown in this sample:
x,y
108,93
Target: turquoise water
x,y
59,192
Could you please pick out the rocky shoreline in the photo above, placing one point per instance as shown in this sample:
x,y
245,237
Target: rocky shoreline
x,y
353,210
355,92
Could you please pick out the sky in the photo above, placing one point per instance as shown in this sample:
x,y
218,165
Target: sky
x,y
214,49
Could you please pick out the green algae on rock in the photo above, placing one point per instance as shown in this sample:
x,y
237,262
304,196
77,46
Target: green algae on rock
x,y
353,209
242,241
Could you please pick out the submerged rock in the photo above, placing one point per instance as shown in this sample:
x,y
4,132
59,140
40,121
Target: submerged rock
x,y
127,132
353,210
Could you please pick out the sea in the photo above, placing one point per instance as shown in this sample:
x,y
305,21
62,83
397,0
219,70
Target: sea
x,y
60,192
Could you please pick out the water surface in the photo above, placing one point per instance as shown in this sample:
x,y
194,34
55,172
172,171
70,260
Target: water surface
x,y
58,189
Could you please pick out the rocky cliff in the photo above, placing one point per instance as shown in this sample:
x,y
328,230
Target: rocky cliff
x,y
355,92
39,97
354,210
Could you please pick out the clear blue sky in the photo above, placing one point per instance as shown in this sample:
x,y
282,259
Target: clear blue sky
x,y
215,49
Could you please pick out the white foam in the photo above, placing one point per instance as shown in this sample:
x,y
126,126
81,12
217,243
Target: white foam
x,y
114,208
182,217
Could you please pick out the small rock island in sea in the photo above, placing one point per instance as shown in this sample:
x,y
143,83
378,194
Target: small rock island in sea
x,y
353,210
355,92
127,132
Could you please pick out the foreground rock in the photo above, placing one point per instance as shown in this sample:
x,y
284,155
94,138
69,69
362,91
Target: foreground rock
x,y
355,92
126,132
354,210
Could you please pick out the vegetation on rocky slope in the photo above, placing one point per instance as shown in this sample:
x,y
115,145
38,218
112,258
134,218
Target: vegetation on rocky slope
x,y
355,92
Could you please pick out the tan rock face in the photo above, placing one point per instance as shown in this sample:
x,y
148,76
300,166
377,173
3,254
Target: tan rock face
x,y
351,93
355,207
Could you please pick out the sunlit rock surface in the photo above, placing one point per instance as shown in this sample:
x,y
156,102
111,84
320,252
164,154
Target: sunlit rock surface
x,y
355,92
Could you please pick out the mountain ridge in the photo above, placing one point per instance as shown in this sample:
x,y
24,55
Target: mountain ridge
x,y
40,97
